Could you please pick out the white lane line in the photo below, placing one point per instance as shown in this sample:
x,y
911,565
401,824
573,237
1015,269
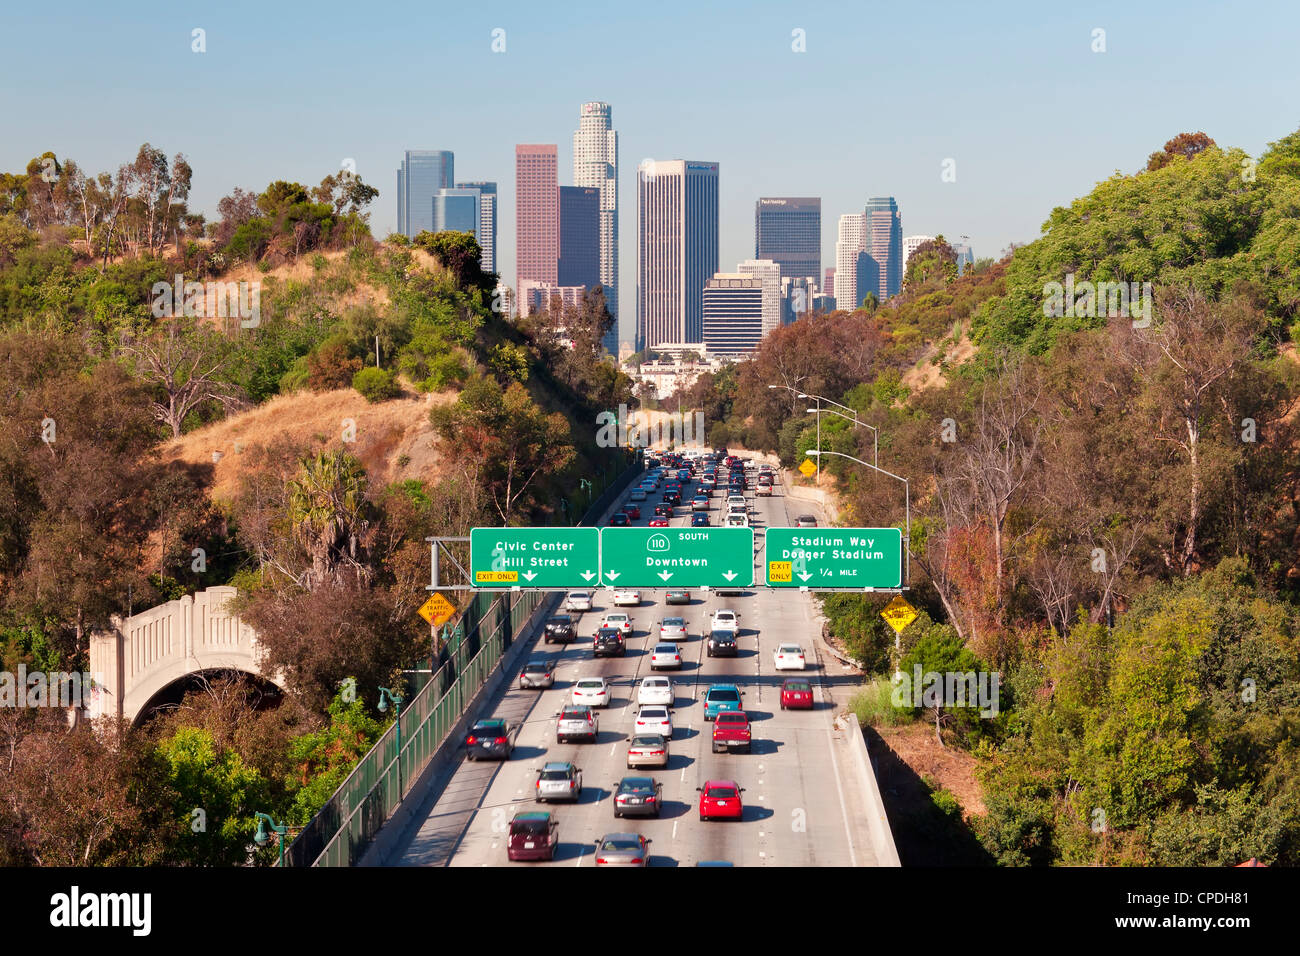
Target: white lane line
x,y
674,830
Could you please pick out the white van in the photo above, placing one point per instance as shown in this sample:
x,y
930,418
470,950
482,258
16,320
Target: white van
x,y
736,520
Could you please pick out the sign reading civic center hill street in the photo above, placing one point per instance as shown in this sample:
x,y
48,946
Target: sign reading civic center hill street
x,y
677,557
834,557
557,558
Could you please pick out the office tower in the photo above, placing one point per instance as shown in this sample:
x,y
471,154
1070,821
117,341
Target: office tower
x,y
457,210
422,173
535,296
798,298
537,214
770,274
788,231
828,287
579,261
487,219
910,244
732,317
965,256
595,163
852,233
884,243
677,249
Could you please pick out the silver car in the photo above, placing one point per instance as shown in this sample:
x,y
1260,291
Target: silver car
x,y
537,674
665,657
578,601
622,849
648,750
672,629
559,781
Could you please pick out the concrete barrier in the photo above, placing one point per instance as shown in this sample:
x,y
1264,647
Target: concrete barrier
x,y
874,809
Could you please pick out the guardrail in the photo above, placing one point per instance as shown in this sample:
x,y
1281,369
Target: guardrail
x,y
341,830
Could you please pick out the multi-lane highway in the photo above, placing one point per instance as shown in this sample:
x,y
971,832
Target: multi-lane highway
x,y
801,803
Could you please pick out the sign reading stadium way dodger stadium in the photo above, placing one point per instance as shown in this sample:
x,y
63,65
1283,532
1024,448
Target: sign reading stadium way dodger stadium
x,y
558,558
834,557
677,557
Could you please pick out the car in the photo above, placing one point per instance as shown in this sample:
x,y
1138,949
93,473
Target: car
x,y
537,675
638,797
724,619
532,836
765,478
805,521
590,690
560,628
659,521
627,598
620,621
699,519
737,502
578,601
721,798
721,698
731,731
700,503
633,512
796,694
647,750
677,597
764,490
665,656
736,521
723,644
489,739
663,511
637,494
673,629
672,498
788,657
559,781
618,520
655,690
654,720
576,721
622,849
608,642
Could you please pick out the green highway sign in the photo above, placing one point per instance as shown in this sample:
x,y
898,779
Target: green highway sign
x,y
557,558
833,557
677,557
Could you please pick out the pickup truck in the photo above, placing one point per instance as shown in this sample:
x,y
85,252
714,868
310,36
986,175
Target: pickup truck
x,y
731,732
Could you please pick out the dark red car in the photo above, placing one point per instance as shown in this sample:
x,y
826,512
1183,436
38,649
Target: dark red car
x,y
633,512
532,836
731,731
720,798
796,694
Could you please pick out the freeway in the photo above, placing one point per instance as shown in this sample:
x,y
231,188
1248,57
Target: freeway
x,y
799,798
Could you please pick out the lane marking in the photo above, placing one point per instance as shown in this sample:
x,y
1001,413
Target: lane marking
x,y
674,830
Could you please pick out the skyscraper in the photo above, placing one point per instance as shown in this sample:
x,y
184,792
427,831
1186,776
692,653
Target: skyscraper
x,y
852,232
537,213
579,262
770,274
910,245
788,231
487,218
828,287
595,163
732,313
884,242
422,173
677,248
457,210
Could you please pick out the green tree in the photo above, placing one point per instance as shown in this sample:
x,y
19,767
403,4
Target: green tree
x,y
217,795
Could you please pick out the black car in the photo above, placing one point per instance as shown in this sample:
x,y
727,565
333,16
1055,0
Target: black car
x,y
559,628
663,511
618,520
722,644
638,796
671,498
607,642
677,597
489,739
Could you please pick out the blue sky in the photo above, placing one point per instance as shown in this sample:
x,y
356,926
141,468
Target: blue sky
x,y
884,93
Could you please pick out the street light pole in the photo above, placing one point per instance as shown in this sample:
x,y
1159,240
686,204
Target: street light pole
x,y
385,695
281,830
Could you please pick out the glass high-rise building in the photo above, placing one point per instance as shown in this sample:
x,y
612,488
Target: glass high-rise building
x,y
733,313
422,173
579,263
456,210
884,243
595,163
487,222
677,248
537,214
788,231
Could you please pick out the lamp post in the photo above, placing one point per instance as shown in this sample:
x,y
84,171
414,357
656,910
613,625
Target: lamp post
x,y
385,695
281,829
819,399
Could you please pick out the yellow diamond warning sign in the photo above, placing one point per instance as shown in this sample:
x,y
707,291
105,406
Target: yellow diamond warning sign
x,y
898,614
808,468
437,610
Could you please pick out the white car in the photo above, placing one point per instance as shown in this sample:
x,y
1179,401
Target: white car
x,y
620,620
788,657
736,520
578,601
737,501
725,620
655,690
591,692
665,656
654,720
637,494
627,598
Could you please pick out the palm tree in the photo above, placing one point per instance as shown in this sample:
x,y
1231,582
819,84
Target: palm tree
x,y
328,508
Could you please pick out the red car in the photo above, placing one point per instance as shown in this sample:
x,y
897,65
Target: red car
x,y
532,836
720,798
633,512
658,521
796,694
731,732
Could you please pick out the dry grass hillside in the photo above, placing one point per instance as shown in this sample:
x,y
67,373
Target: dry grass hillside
x,y
927,373
385,433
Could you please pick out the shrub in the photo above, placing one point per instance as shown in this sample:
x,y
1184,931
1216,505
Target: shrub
x,y
873,705
330,367
376,384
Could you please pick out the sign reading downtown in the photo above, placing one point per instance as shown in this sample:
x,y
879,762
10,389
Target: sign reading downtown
x,y
557,558
677,557
834,557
